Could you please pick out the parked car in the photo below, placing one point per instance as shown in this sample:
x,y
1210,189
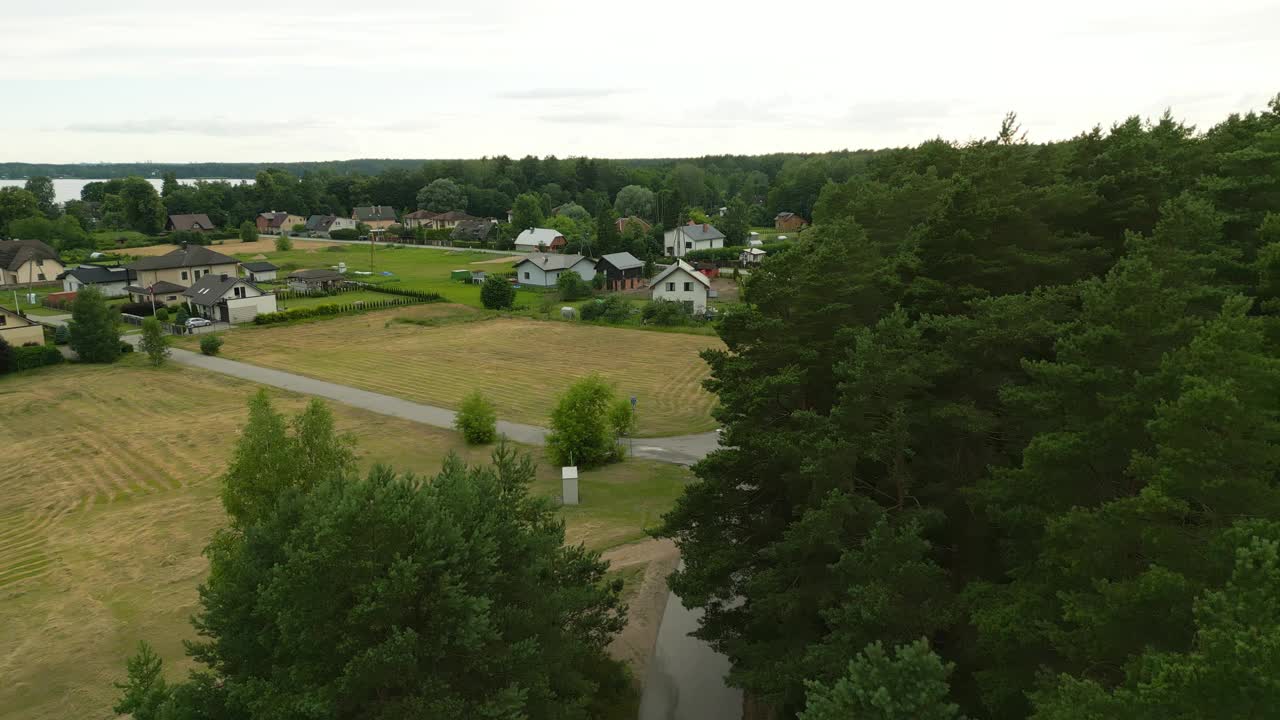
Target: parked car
x,y
196,322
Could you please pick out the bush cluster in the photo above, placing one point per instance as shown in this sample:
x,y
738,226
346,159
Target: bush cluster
x,y
142,309
476,420
665,312
210,344
611,309
345,234
29,357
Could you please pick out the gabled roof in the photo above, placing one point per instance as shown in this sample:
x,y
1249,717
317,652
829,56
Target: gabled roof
x,y
471,230
259,266
679,265
275,219
457,215
189,256
193,221
320,222
98,274
784,215
533,237
696,232
9,313
753,251
210,289
547,261
373,212
421,215
161,288
16,253
623,260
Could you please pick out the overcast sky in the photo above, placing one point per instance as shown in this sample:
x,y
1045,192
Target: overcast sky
x,y
273,80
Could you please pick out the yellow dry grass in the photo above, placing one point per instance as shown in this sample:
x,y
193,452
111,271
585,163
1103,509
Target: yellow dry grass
x,y
521,364
108,494
235,247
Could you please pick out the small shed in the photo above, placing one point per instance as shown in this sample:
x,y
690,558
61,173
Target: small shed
x,y
569,485
463,275
478,277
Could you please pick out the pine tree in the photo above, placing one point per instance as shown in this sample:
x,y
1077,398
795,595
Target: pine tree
x,y
94,335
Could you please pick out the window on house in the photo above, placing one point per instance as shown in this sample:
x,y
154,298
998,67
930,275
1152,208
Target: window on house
x,y
3,320
526,275
688,245
184,274
671,287
688,287
40,276
39,262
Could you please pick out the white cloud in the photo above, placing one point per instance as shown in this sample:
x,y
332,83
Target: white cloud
x,y
305,79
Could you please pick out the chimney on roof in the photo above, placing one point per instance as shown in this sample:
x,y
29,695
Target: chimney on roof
x,y
224,277
704,227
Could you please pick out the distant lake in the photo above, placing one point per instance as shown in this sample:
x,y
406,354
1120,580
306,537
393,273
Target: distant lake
x,y
65,189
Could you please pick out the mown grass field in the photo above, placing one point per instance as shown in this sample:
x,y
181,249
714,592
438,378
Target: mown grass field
x,y
412,268
109,494
522,365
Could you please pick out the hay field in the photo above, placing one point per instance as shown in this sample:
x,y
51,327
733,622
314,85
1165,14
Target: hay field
x,y
522,365
109,493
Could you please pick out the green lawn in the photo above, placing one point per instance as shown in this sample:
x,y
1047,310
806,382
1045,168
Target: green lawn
x,y
412,268
7,300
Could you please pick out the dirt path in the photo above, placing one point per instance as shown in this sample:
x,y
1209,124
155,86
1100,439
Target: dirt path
x,y
635,644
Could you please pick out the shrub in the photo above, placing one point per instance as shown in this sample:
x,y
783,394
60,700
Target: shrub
x,y
248,231
583,428
30,357
210,344
476,420
126,347
162,314
344,234
154,343
61,335
497,293
612,308
665,312
572,286
183,316
283,243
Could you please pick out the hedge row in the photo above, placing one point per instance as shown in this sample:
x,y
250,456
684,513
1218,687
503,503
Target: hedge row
x,y
330,309
30,357
423,295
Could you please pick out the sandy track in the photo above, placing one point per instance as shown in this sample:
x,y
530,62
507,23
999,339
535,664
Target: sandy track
x,y
635,644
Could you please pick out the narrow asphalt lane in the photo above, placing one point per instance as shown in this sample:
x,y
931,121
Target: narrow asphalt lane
x,y
679,450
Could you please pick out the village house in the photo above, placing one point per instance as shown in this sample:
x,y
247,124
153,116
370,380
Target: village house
x,y
540,240
26,262
276,223
622,223
751,256
688,238
437,221
681,283
622,271
110,281
166,276
316,279
543,270
788,221
17,330
197,222
377,217
473,230
259,270
420,219
228,299
322,225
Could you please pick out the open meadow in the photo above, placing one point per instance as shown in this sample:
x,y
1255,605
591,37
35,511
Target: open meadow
x,y
110,492
435,354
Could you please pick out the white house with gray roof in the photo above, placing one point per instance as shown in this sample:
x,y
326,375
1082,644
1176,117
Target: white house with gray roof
x,y
110,281
543,269
539,239
687,238
680,282
229,299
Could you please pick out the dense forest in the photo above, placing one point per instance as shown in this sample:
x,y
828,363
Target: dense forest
x,y
1002,437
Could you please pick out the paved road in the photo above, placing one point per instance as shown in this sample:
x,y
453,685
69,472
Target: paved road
x,y
680,450
686,677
